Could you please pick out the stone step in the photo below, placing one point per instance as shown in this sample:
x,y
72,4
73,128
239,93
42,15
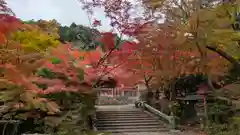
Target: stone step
x,y
134,130
130,127
120,112
120,121
127,121
124,114
128,124
124,118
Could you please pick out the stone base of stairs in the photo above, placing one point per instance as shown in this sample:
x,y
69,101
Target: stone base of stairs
x,y
127,119
156,133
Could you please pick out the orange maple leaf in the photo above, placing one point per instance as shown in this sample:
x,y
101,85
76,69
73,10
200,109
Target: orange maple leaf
x,y
3,39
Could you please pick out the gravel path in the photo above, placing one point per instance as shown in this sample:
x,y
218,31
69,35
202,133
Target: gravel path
x,y
162,133
158,133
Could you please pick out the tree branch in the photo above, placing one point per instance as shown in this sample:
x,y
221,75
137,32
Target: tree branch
x,y
147,79
106,73
110,52
224,55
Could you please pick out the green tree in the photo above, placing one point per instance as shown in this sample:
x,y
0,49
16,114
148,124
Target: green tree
x,y
81,36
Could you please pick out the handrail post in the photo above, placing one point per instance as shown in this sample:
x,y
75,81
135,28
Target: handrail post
x,y
170,119
172,122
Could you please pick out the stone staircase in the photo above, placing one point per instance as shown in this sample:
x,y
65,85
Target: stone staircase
x,y
125,121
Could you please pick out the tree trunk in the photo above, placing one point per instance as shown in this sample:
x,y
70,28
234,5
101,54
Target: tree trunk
x,y
149,95
147,80
209,80
224,55
147,85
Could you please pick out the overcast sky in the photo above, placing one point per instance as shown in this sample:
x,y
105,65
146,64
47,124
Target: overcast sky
x,y
64,11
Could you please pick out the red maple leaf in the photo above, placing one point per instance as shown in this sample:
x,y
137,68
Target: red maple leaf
x,y
108,40
8,24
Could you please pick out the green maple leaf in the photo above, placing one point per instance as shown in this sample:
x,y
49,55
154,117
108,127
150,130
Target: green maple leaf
x,y
56,60
81,74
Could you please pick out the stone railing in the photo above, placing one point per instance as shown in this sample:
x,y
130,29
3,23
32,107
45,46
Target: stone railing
x,y
169,119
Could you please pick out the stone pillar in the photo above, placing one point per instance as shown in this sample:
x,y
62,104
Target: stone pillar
x,y
112,92
115,92
138,93
140,90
